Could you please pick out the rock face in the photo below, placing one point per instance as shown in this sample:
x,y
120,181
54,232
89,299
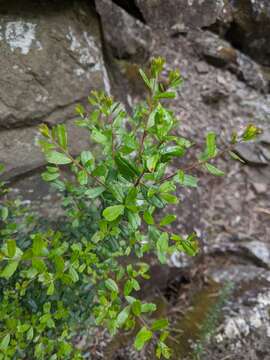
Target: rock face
x,y
251,28
53,53
51,57
165,14
127,37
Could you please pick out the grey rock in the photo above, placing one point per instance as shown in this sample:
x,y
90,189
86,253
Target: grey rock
x,y
179,29
128,37
259,251
265,137
238,274
193,13
202,67
251,72
266,153
251,154
20,154
260,188
51,57
220,53
244,331
251,20
214,95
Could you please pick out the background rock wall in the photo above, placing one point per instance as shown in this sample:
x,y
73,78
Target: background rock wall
x,y
50,58
53,53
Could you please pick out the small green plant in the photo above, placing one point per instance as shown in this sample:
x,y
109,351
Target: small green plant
x,y
86,270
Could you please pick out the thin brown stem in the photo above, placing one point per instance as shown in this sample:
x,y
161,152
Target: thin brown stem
x,y
78,164
198,163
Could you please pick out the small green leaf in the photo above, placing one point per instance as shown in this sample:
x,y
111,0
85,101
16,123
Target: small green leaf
x,y
94,192
148,218
82,177
151,162
73,274
99,137
136,308
167,186
4,213
159,324
213,170
126,168
123,316
168,219
11,247
135,284
62,135
211,144
169,198
142,337
148,307
98,236
189,245
38,245
113,212
165,95
187,180
111,285
4,343
47,176
162,247
59,264
100,170
134,219
44,130
145,78
10,269
80,110
87,159
55,157
128,287
30,334
251,132
50,289
171,151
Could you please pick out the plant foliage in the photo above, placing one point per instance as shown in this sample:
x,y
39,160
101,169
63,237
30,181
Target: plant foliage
x,y
53,278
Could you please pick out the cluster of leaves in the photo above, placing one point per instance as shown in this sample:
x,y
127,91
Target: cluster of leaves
x,y
50,275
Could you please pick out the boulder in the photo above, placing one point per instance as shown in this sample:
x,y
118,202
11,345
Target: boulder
x,y
220,53
20,153
51,57
127,36
250,28
166,14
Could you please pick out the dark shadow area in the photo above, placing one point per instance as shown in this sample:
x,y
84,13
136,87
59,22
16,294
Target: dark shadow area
x,y
130,7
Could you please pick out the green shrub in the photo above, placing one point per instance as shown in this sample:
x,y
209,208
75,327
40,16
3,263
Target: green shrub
x,y
55,279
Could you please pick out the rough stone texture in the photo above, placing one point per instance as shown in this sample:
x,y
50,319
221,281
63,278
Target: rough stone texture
x,y
220,53
21,153
245,329
127,37
165,14
50,59
251,28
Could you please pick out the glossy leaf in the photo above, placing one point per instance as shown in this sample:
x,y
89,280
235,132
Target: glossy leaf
x,y
57,158
111,213
142,337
